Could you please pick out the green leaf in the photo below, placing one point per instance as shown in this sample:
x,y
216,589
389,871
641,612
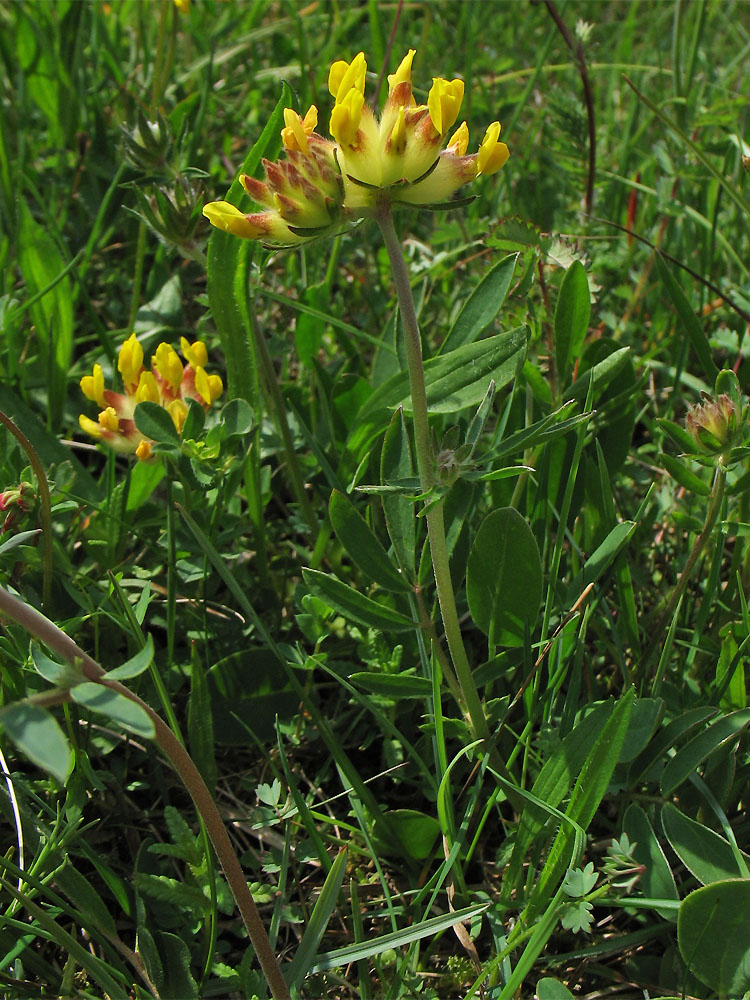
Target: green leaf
x,y
194,421
129,714
175,956
396,939
237,418
482,306
395,465
355,606
304,956
552,989
453,381
363,547
571,318
504,578
85,898
601,374
679,435
689,758
63,675
712,936
407,833
657,881
590,787
554,782
37,734
155,422
704,852
685,476
144,478
393,685
135,665
690,322
43,268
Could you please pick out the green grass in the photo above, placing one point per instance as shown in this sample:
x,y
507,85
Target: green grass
x,y
298,645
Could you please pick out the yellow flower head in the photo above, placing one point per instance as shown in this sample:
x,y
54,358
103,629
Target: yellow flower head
x,y
169,385
397,158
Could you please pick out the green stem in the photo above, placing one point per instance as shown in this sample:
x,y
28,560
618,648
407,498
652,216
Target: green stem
x,y
426,468
53,637
715,501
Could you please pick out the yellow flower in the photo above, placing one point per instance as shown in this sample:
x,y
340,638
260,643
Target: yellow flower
x,y
169,384
182,5
395,159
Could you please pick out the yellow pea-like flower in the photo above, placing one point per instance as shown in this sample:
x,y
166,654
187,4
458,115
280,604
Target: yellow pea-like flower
x,y
403,73
444,103
297,129
177,410
225,216
168,365
92,386
195,354
344,76
459,141
143,451
130,361
208,387
492,154
148,390
108,420
345,118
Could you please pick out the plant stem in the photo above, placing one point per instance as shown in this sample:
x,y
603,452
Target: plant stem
x,y
426,468
714,507
48,633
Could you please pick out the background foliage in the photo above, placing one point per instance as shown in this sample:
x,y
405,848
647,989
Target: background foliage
x,y
281,624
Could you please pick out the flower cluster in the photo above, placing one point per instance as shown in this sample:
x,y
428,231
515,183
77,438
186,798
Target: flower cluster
x,y
392,160
169,383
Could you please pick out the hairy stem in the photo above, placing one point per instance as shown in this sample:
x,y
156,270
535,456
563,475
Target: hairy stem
x,y
426,468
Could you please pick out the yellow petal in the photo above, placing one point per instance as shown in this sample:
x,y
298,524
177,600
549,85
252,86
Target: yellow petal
x,y
90,426
397,140
225,216
130,361
92,386
195,354
208,387
108,420
459,141
492,154
168,365
148,390
293,135
345,118
344,76
403,73
177,410
444,103
143,451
